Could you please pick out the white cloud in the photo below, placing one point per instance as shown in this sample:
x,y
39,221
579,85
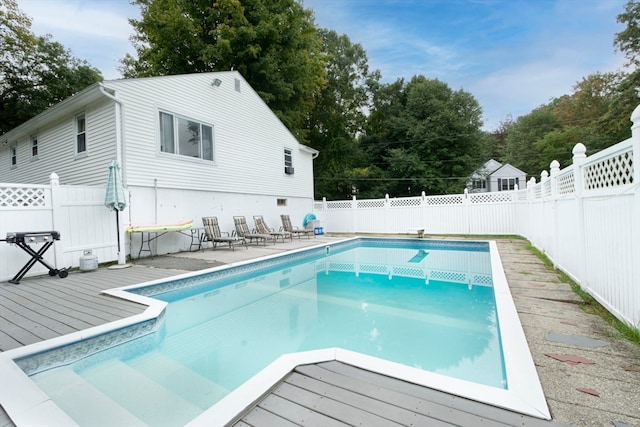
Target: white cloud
x,y
94,30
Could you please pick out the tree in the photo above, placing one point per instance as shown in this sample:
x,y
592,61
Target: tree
x,y
338,116
524,140
35,72
628,40
424,135
272,43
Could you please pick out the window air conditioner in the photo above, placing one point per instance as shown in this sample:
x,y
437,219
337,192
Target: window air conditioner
x,y
288,170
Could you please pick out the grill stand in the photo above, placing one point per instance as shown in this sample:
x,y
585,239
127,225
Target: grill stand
x,y
36,257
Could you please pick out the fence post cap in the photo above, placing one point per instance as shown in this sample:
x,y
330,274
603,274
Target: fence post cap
x,y
54,179
579,151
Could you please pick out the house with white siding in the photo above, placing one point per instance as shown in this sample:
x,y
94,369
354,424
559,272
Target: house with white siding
x,y
189,146
495,176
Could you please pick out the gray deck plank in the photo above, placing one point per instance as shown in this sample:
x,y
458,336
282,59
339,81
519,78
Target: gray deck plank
x,y
424,407
296,413
57,320
72,306
329,407
371,402
478,409
81,292
36,309
260,417
22,327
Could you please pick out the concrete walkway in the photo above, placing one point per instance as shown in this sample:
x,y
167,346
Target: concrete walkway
x,y
589,375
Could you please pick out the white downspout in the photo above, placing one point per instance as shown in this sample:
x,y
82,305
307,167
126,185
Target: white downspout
x,y
120,160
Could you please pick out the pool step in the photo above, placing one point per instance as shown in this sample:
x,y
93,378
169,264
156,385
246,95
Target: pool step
x,y
179,379
147,399
66,389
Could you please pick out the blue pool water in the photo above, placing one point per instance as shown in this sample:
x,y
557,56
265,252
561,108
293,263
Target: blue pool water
x,y
428,305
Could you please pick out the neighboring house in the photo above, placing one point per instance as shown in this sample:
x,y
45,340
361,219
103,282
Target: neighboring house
x,y
189,146
494,176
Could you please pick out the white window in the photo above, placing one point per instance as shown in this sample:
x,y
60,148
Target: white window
x,y
507,184
34,147
81,134
13,156
179,135
288,161
479,184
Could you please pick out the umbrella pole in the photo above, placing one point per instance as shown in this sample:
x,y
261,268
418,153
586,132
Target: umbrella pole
x,y
118,232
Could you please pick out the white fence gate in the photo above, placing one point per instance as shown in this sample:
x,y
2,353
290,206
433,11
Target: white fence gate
x,y
76,212
585,218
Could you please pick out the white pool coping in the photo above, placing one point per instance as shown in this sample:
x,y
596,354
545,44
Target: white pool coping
x,y
27,405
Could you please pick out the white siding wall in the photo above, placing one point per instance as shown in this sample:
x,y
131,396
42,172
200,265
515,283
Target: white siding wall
x,y
169,205
249,138
56,150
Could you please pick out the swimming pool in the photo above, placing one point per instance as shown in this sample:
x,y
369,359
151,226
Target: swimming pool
x,y
234,312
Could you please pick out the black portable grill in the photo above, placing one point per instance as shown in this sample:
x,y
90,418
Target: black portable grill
x,y
23,240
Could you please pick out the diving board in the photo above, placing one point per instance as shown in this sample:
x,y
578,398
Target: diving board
x,y
158,230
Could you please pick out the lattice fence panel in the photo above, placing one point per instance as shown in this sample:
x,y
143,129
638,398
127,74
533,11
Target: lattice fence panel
x,y
497,197
370,203
405,202
22,197
566,183
341,266
374,268
445,200
482,279
448,276
339,205
408,272
610,172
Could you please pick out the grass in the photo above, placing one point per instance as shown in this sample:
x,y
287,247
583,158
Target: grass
x,y
589,304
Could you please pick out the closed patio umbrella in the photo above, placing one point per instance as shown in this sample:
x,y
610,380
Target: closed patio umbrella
x,y
115,200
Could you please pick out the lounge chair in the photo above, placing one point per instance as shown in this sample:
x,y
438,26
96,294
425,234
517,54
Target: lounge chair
x,y
242,230
213,234
263,228
286,226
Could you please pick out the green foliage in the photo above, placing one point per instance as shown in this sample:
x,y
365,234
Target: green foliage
x,y
628,40
424,135
338,116
591,115
523,139
272,43
35,72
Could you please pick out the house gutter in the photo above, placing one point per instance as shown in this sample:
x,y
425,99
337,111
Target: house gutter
x,y
314,152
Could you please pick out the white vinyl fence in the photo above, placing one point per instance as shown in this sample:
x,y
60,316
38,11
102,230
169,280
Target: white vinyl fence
x,y
585,218
76,212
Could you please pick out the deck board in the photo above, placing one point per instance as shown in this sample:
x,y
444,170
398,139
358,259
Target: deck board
x,y
347,392
46,307
356,396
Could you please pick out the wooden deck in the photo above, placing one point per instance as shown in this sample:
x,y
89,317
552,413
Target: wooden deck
x,y
46,307
336,394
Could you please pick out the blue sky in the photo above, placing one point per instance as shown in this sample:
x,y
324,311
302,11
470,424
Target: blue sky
x,y
511,55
